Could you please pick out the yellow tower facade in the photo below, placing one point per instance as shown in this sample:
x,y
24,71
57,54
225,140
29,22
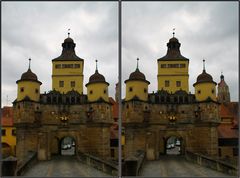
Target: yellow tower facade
x,y
28,86
205,87
67,69
97,87
137,86
173,69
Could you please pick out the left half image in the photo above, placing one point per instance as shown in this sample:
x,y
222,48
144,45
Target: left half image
x,y
59,89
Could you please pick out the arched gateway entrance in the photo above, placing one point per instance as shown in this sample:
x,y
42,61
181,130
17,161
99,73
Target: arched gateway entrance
x,y
63,146
174,145
67,146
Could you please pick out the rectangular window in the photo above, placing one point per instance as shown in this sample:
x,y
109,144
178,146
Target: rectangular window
x,y
112,153
199,91
68,65
113,142
72,83
182,65
61,83
167,83
14,132
22,89
178,83
76,65
219,152
3,132
235,151
130,89
163,65
58,66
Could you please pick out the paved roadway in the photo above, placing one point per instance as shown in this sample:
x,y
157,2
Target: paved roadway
x,y
63,166
172,166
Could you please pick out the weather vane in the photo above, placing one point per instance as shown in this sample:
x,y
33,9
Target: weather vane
x,y
173,32
68,32
96,64
203,64
29,63
137,62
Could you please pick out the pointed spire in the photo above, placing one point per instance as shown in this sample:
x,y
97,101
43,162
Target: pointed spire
x,y
96,65
173,32
68,32
204,65
29,63
137,63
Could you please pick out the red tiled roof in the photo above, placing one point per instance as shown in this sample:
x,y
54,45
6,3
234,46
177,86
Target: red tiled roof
x,y
114,131
7,116
229,130
115,107
114,127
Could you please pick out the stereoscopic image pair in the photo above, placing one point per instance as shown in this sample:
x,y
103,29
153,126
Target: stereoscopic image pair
x,y
112,89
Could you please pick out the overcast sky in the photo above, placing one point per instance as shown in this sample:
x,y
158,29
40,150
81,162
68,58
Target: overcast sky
x,y
206,30
38,29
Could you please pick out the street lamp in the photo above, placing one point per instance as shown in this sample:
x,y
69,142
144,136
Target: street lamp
x,y
64,119
172,118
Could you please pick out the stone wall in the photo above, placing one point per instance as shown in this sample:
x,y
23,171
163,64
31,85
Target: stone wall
x,y
148,126
41,127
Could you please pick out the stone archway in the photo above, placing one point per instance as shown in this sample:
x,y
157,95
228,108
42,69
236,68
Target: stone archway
x,y
174,144
67,146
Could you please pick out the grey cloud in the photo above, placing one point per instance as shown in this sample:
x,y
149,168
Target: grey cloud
x,y
37,30
205,30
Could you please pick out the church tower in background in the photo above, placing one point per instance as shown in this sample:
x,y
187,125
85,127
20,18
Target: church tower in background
x,y
223,91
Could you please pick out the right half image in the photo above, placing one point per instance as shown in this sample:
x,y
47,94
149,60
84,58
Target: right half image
x,y
180,95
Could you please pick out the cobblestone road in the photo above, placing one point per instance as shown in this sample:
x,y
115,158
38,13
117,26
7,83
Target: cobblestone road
x,y
63,166
172,166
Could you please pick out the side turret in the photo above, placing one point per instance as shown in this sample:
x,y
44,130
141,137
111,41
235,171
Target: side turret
x,y
28,86
137,86
97,87
205,87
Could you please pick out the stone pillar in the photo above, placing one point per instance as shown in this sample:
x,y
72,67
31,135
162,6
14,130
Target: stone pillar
x,y
42,148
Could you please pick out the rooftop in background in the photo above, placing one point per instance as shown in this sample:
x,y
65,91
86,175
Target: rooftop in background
x,y
7,116
229,120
